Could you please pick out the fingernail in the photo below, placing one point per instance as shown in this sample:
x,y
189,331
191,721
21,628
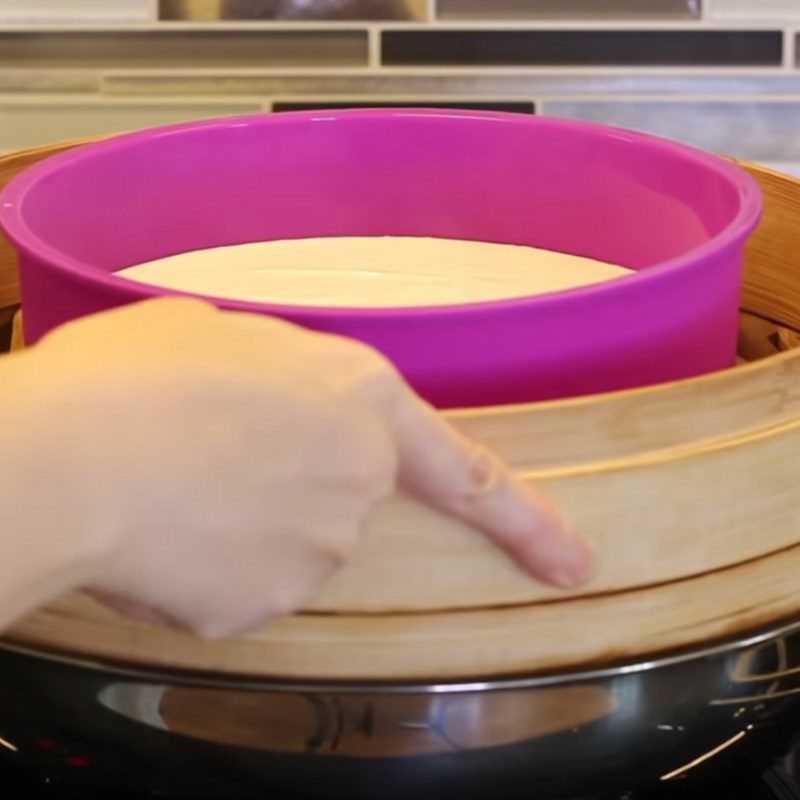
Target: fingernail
x,y
575,564
563,579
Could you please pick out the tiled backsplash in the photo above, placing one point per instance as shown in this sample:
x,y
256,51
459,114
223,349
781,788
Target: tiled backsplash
x,y
722,74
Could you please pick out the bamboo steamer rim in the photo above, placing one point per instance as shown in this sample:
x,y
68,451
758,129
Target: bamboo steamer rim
x,y
598,455
496,644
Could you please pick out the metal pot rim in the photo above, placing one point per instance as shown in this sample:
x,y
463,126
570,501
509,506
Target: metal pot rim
x,y
165,675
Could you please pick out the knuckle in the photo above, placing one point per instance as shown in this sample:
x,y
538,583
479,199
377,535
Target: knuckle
x,y
482,475
334,544
355,349
337,555
371,474
277,602
367,461
281,602
339,550
211,630
371,374
380,382
483,472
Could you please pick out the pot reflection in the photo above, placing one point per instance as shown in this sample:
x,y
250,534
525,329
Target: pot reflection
x,y
380,726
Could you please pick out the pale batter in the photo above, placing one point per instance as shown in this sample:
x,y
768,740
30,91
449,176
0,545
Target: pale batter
x,y
377,272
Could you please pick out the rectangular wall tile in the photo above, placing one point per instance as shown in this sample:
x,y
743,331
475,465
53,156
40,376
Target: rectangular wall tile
x,y
787,167
293,9
510,106
581,48
49,81
181,50
474,84
768,131
28,124
566,9
754,9
77,10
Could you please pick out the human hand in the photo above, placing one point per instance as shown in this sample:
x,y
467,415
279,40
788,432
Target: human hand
x,y
225,464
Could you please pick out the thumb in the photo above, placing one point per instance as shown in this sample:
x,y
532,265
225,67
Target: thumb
x,y
459,477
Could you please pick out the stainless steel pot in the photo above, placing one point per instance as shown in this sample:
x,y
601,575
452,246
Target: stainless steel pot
x,y
654,724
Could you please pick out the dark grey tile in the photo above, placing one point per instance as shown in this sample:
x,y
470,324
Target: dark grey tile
x,y
564,9
182,49
582,47
767,131
293,9
513,107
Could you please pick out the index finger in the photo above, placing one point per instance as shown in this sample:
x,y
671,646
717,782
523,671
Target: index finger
x,y
444,468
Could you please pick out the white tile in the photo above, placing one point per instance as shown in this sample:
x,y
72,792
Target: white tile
x,y
754,9
77,10
759,131
786,167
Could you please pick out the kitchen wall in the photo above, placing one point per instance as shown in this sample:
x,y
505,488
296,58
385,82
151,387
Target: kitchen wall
x,y
722,74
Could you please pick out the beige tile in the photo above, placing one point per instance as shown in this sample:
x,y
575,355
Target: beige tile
x,y
28,124
541,84
49,81
184,49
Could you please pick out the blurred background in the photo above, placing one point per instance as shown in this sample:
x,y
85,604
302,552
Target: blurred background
x,y
722,74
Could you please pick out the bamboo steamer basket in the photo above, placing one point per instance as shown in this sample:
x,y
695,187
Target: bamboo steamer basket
x,y
688,491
